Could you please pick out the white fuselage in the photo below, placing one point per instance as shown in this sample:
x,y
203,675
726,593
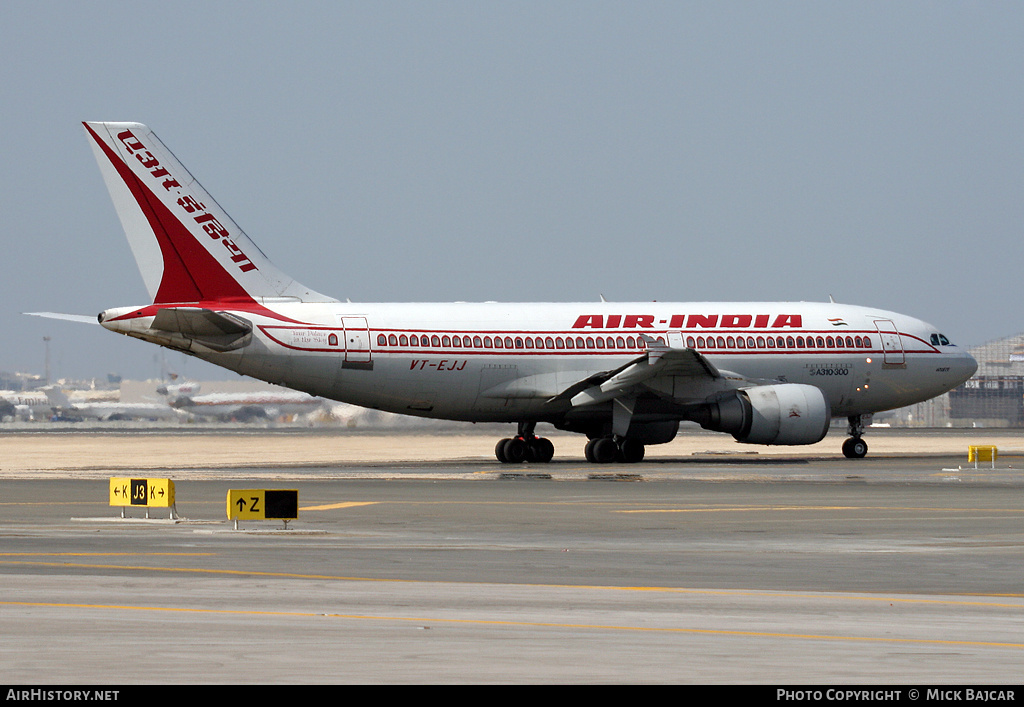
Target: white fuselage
x,y
510,362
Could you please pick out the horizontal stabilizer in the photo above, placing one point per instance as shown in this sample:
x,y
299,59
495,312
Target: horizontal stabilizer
x,y
80,318
181,327
216,330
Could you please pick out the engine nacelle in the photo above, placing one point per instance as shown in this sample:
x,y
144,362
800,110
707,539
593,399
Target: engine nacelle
x,y
787,413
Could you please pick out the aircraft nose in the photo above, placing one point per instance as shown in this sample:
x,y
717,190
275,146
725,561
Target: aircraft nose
x,y
962,367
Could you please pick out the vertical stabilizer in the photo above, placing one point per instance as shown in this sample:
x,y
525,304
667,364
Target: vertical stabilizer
x,y
187,248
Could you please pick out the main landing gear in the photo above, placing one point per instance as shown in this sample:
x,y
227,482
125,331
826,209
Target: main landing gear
x,y
528,447
525,447
855,447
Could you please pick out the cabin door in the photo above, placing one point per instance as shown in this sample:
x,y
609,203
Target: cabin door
x,y
892,344
357,340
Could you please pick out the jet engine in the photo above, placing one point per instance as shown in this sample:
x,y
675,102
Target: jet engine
x,y
787,413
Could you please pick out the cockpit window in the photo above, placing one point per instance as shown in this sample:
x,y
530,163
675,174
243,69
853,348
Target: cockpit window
x,y
940,340
943,340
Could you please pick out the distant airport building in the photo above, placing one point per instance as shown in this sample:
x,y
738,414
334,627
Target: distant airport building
x,y
994,397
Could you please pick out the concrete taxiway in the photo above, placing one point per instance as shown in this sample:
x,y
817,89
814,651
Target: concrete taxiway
x,y
801,567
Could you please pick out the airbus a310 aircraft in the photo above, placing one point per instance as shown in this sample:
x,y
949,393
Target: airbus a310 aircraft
x,y
623,374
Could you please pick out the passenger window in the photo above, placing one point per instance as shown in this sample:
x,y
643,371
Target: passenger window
x,y
392,340
382,340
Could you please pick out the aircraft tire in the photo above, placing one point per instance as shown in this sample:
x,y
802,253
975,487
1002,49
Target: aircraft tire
x,y
515,450
499,451
541,450
631,451
588,451
855,448
605,450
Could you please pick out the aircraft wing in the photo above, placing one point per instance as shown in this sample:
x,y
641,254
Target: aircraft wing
x,y
660,361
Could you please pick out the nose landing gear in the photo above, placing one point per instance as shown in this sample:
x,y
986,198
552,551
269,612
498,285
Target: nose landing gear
x,y
855,447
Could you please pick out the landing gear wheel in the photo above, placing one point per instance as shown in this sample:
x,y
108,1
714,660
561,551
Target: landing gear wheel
x,y
540,450
602,451
630,451
499,451
855,448
515,450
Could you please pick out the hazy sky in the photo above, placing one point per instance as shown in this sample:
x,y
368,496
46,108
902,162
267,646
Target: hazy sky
x,y
527,151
